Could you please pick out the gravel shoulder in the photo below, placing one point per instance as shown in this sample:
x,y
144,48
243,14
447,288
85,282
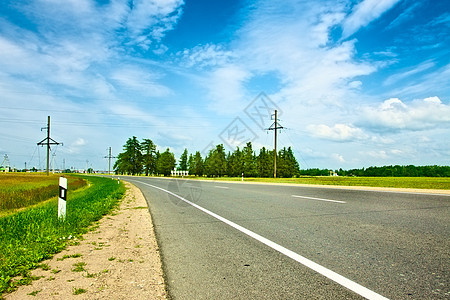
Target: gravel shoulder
x,y
119,259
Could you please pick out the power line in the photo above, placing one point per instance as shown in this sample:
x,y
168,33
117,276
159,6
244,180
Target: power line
x,y
125,124
113,114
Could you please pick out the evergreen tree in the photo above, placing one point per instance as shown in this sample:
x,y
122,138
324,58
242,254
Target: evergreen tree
x,y
130,161
198,164
215,162
183,165
249,161
287,165
264,163
235,163
191,164
166,163
148,149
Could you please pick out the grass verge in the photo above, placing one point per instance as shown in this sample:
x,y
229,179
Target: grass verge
x,y
34,234
438,183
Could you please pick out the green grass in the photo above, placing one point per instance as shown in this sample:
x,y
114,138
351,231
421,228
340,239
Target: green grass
x,y
31,235
440,183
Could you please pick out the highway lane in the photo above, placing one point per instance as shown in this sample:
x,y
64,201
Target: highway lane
x,y
395,244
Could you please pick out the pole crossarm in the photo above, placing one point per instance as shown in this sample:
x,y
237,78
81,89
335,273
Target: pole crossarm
x,y
53,142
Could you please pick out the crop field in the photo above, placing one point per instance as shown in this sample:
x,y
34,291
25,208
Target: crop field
x,y
438,183
23,190
31,232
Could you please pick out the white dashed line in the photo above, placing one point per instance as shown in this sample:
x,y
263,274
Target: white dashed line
x,y
319,199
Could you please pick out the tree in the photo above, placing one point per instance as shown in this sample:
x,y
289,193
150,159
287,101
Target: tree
x,y
130,161
183,165
166,163
264,163
215,162
287,164
235,163
148,156
198,165
249,161
190,164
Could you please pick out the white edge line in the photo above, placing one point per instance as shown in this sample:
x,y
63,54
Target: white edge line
x,y
221,187
319,199
349,284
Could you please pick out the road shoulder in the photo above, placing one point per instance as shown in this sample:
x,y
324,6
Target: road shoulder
x,y
119,259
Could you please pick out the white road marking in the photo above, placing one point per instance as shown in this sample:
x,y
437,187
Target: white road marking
x,y
349,284
319,199
221,187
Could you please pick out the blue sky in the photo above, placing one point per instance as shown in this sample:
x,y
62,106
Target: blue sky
x,y
356,83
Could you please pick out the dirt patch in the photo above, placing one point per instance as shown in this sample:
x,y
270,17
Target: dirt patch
x,y
118,260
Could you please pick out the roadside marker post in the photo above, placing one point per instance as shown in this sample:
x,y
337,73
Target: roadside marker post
x,y
62,198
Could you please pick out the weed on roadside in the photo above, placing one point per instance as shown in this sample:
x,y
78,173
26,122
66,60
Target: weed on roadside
x,y
79,266
78,291
34,293
44,267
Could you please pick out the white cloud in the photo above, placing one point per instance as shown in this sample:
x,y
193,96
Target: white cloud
x,y
394,114
364,13
136,79
338,157
149,20
208,55
339,132
311,67
406,15
226,89
378,154
400,76
79,142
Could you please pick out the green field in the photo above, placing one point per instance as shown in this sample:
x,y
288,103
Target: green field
x,y
439,183
19,190
33,233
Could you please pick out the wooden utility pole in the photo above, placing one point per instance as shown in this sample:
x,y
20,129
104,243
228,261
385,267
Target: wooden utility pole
x,y
48,141
275,127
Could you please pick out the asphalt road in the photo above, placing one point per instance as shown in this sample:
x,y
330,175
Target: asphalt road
x,y
253,241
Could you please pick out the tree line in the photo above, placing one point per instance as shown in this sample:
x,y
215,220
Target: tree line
x,y
143,158
384,171
399,171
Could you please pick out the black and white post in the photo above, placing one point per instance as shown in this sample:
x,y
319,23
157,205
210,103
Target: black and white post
x,y
62,198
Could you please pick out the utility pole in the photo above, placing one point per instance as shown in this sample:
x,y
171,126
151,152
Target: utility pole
x,y
5,163
275,126
53,162
109,156
48,141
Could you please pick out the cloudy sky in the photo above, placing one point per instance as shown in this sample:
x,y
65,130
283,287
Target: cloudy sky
x,y
356,83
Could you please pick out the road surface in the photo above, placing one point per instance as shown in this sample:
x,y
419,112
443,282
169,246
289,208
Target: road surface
x,y
222,240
